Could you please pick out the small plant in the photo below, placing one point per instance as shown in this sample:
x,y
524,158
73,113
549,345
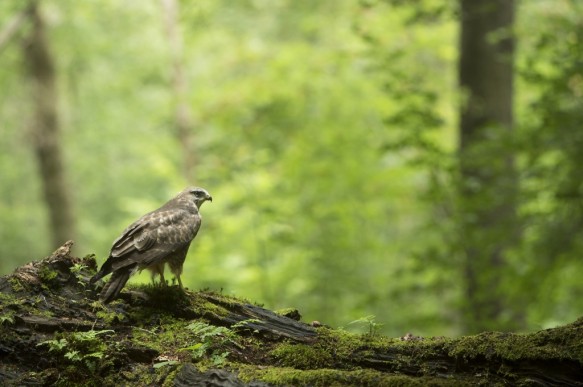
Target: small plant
x,y
7,316
211,338
80,347
76,269
373,326
55,345
47,275
105,314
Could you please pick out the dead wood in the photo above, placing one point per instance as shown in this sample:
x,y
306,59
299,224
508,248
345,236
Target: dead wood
x,y
53,331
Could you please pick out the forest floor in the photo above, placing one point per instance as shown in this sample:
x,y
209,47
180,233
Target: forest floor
x,y
54,331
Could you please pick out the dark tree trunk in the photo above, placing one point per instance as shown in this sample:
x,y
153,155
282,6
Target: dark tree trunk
x,y
182,115
488,180
45,129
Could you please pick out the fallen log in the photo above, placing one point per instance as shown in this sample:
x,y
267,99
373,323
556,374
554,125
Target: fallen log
x,y
54,331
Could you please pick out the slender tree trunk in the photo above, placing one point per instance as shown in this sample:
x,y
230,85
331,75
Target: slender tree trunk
x,y
45,129
183,118
488,179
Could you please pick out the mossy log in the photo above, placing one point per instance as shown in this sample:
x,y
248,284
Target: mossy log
x,y
53,331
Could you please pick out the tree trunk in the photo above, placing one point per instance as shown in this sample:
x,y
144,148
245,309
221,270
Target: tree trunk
x,y
45,129
488,180
182,115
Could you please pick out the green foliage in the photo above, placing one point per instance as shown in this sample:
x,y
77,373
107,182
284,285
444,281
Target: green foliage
x,y
7,317
55,345
370,323
325,132
212,340
76,270
549,261
80,347
47,275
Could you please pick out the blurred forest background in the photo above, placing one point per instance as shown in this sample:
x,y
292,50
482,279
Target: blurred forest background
x,y
417,161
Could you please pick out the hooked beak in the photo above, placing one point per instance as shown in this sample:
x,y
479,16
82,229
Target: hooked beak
x,y
209,198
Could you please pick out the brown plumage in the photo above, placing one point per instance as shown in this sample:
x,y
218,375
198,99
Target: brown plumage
x,y
159,237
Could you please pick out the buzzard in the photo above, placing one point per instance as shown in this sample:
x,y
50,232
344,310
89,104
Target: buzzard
x,y
159,237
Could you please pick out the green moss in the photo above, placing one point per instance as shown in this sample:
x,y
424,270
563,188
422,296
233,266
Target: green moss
x,y
202,306
345,345
16,285
195,341
46,274
6,298
110,316
41,312
180,303
177,326
286,311
302,356
511,346
167,338
341,350
169,379
345,349
205,308
161,295
292,313
330,377
11,305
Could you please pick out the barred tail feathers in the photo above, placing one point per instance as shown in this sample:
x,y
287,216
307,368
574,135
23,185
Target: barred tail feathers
x,y
105,270
97,277
115,284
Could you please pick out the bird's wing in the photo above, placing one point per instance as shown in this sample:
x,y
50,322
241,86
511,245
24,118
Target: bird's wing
x,y
135,238
154,237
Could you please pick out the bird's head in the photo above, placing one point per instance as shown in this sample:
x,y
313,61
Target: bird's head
x,y
199,195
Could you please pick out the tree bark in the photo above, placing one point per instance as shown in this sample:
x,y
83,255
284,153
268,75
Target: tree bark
x,y
45,130
488,183
182,114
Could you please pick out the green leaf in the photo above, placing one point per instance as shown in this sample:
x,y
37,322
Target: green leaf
x,y
164,363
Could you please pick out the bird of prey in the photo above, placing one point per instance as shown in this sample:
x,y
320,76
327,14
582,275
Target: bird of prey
x,y
159,237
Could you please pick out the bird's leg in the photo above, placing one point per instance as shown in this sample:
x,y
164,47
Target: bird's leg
x,y
153,271
176,269
158,269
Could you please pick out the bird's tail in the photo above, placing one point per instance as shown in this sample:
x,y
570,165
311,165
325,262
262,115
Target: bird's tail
x,y
97,277
105,270
115,285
